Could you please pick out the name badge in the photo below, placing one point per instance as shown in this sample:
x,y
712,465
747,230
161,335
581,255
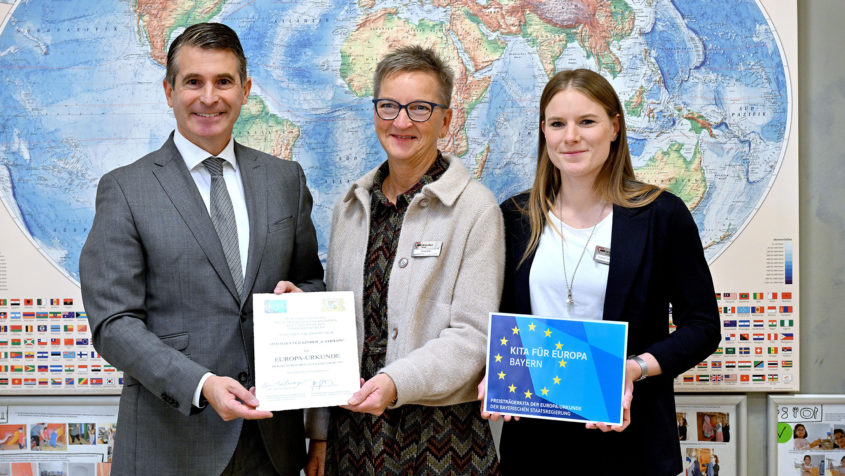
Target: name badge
x,y
426,248
602,255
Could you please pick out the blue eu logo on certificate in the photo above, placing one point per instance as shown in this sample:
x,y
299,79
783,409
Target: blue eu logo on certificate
x,y
562,369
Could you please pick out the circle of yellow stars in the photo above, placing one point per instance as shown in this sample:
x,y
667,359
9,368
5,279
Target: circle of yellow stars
x,y
532,327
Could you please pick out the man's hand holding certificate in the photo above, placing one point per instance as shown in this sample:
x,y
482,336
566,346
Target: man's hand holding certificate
x,y
559,369
306,352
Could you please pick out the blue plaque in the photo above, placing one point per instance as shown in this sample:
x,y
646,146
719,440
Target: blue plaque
x,y
561,369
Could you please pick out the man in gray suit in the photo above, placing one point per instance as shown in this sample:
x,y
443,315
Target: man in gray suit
x,y
180,241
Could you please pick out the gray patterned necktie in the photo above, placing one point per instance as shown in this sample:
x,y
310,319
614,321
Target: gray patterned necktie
x,y
223,218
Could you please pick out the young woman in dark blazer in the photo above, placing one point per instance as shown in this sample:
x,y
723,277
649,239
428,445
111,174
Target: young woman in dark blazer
x,y
590,241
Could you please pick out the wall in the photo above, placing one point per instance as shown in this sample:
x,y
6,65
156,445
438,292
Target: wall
x,y
821,123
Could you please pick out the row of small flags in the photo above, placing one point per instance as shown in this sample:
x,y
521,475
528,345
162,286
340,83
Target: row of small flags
x,y
44,341
60,381
65,355
730,378
758,350
49,355
758,323
785,296
757,336
57,368
42,328
745,364
770,310
753,323
42,315
40,302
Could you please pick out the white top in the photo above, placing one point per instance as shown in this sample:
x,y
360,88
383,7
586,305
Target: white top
x,y
546,282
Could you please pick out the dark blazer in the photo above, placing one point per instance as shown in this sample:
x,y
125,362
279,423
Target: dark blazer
x,y
164,309
656,259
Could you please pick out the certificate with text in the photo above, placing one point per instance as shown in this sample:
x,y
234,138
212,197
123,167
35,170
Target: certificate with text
x,y
561,369
306,351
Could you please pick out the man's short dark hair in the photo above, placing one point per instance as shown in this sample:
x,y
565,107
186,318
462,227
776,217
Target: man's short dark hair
x,y
208,36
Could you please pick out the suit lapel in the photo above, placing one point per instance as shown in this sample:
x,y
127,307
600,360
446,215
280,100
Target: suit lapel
x,y
255,187
180,187
628,237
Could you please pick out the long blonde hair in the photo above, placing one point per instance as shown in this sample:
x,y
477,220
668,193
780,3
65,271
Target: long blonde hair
x,y
616,181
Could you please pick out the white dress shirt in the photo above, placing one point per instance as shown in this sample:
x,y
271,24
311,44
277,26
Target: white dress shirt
x,y
193,156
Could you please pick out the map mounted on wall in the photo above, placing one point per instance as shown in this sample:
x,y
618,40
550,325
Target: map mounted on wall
x,y
705,92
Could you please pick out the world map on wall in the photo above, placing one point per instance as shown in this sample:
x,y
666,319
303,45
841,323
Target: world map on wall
x,y
704,86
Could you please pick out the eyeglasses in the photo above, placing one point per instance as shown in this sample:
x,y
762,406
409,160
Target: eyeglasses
x,y
418,111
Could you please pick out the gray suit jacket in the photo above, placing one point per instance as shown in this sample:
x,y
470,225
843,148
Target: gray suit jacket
x,y
163,306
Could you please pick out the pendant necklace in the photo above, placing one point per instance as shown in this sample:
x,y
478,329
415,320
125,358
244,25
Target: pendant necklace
x,y
570,283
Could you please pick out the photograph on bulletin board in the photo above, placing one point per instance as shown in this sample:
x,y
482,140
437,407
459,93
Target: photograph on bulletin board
x,y
57,436
712,430
807,435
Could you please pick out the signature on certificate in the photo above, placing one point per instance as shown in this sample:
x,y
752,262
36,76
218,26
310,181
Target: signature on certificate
x,y
324,382
286,384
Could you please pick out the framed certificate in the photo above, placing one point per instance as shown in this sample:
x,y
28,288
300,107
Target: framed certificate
x,y
306,351
561,369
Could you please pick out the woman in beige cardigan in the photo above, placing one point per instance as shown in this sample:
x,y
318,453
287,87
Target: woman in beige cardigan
x,y
421,245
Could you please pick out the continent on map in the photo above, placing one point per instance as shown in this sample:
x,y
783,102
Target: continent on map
x,y
159,18
383,31
671,170
551,25
550,41
597,24
258,128
482,51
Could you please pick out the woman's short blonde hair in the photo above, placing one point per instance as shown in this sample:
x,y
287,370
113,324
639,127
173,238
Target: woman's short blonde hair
x,y
416,58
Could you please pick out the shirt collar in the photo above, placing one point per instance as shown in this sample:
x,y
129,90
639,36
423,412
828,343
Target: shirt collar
x,y
193,154
434,172
447,189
